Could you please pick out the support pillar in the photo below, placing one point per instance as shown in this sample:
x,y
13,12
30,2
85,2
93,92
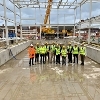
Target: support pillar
x,y
20,24
15,23
64,27
40,32
89,31
6,28
3,33
80,24
74,21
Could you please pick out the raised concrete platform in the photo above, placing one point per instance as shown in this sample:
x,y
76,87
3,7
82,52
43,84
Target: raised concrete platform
x,y
18,81
6,55
92,52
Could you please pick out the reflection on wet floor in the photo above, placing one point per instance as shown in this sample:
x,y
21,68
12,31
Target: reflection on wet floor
x,y
18,81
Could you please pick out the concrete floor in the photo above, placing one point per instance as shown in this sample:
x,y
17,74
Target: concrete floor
x,y
18,81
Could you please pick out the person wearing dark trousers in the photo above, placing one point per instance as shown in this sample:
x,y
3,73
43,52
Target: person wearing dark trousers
x,y
75,53
57,55
42,60
37,53
60,46
82,53
69,50
31,52
63,54
42,54
47,47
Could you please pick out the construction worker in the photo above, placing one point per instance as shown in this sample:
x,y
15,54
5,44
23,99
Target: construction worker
x,y
69,50
42,54
75,52
37,53
31,52
47,47
64,54
60,45
52,50
82,53
57,51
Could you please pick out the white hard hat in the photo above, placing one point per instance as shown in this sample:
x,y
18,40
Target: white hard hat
x,y
31,45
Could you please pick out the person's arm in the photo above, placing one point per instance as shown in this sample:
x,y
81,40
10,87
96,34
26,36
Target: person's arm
x,y
78,49
85,51
72,49
67,49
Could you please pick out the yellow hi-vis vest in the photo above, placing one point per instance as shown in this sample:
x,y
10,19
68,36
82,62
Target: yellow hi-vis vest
x,y
53,48
37,49
69,47
82,50
57,51
64,52
47,48
75,50
42,50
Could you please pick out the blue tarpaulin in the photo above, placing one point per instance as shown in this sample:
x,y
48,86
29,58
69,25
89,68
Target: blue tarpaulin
x,y
11,35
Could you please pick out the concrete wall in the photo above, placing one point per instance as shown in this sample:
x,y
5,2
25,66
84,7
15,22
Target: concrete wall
x,y
64,41
92,52
5,55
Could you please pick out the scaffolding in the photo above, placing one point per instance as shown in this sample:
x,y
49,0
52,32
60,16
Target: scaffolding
x,y
43,4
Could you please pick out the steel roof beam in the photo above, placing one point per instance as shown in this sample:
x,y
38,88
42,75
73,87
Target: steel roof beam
x,y
59,4
72,3
9,9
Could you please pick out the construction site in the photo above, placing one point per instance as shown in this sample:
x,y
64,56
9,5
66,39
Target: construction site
x,y
26,23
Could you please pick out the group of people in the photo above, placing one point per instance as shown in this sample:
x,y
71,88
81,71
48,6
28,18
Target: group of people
x,y
53,53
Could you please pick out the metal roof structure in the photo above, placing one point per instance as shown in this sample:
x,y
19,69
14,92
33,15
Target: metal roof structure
x,y
43,4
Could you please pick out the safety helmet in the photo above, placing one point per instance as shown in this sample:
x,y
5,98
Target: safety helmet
x,y
31,45
63,46
75,44
69,43
46,43
82,44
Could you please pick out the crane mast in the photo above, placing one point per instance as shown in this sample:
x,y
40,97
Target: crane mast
x,y
48,12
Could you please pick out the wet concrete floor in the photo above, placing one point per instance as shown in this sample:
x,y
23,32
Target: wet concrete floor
x,y
18,81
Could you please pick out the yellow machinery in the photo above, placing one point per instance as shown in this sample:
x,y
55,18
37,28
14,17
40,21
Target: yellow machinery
x,y
44,29
48,11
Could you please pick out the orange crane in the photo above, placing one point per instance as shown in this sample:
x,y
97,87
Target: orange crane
x,y
48,11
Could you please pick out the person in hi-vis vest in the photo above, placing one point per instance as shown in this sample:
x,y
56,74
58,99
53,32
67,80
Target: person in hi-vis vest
x,y
47,47
82,53
42,51
63,54
69,50
57,50
37,53
75,52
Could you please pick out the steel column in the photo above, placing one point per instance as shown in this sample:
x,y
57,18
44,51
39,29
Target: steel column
x,y
74,21
58,26
20,24
64,27
40,32
7,40
15,22
80,24
3,33
89,32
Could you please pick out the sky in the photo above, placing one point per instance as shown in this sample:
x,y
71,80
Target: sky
x,y
38,14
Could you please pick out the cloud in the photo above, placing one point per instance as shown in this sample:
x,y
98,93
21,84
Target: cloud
x,y
39,14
